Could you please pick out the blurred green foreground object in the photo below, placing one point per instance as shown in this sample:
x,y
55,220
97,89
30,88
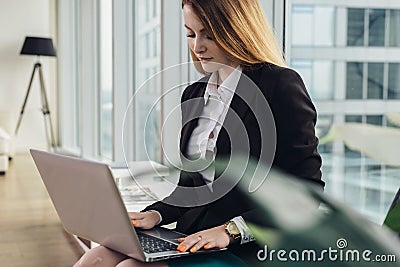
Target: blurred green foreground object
x,y
301,226
392,220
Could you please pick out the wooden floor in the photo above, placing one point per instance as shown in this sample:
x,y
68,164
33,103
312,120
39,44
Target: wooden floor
x,y
30,231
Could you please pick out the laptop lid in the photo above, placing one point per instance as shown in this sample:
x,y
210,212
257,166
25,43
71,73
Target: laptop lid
x,y
89,205
88,202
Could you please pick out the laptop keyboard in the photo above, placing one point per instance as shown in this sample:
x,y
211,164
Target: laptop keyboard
x,y
152,244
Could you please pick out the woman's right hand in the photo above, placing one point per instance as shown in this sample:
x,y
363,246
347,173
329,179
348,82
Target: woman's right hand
x,y
145,220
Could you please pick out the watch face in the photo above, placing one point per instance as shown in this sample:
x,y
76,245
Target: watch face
x,y
232,228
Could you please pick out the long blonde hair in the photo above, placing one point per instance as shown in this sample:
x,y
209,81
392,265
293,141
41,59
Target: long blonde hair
x,y
239,27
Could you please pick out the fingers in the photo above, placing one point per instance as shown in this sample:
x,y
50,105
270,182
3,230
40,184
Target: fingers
x,y
192,243
144,223
198,245
210,245
144,220
211,238
137,215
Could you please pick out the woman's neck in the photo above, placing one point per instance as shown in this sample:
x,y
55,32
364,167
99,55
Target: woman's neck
x,y
224,72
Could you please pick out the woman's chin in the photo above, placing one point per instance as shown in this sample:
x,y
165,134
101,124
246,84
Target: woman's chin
x,y
210,67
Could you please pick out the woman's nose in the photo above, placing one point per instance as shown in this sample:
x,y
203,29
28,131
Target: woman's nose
x,y
199,46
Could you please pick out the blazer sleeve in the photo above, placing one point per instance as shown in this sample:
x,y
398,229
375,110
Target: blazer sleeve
x,y
295,118
296,149
169,213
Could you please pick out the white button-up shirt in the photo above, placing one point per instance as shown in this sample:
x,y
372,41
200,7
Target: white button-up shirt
x,y
217,99
202,143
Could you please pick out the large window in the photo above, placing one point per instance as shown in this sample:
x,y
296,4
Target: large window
x,y
367,80
349,56
376,20
86,77
394,34
69,88
313,25
317,75
116,46
354,77
373,27
105,79
394,81
147,107
355,27
375,81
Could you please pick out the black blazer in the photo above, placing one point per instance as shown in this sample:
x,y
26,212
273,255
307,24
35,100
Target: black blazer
x,y
295,152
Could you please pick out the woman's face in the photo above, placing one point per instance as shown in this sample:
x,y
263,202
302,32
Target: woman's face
x,y
202,44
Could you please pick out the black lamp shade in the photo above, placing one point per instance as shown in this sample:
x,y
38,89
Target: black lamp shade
x,y
38,46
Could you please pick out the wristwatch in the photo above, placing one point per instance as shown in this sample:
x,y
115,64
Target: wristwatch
x,y
232,230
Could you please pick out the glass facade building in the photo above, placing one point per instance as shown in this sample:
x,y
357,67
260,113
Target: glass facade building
x,y
349,57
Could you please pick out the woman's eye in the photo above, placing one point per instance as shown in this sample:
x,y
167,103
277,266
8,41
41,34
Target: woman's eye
x,y
190,35
210,38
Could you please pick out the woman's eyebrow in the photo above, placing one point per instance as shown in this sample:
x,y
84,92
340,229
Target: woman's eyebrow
x,y
187,27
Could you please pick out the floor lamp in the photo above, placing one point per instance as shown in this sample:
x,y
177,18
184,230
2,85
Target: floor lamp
x,y
39,47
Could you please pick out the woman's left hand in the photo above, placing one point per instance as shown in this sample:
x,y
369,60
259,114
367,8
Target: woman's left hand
x,y
211,238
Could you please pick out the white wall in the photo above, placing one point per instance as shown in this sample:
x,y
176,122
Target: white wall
x,y
20,18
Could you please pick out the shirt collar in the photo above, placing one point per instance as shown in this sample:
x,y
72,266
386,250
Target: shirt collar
x,y
226,90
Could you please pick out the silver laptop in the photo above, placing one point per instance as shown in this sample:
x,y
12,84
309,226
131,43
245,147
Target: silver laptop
x,y
90,206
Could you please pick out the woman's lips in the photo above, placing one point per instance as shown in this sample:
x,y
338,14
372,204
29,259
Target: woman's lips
x,y
205,59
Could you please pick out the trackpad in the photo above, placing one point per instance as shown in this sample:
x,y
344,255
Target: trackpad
x,y
163,233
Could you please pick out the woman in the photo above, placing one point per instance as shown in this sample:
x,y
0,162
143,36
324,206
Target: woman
x,y
229,40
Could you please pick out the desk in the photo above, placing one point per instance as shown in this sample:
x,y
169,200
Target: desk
x,y
159,186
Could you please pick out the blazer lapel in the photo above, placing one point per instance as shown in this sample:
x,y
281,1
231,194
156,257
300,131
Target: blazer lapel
x,y
242,100
244,97
191,111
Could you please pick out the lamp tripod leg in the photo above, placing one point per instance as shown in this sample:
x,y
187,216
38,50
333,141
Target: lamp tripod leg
x,y
25,100
46,112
